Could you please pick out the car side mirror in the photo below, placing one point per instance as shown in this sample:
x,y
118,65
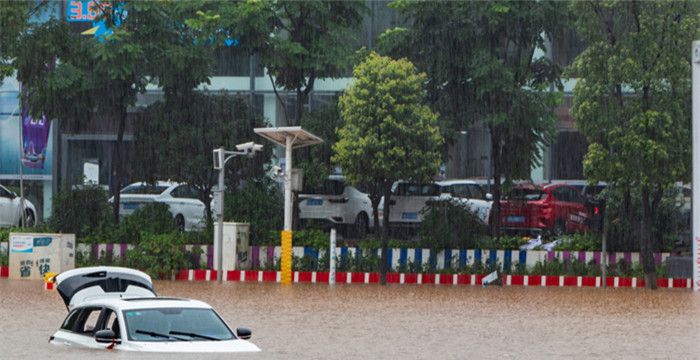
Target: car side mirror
x,y
243,333
489,196
13,195
105,336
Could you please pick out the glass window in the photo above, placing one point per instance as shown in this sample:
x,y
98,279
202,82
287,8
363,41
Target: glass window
x,y
328,187
526,194
476,191
169,324
5,193
90,323
144,189
410,189
71,319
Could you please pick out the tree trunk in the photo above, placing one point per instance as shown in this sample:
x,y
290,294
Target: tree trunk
x,y
495,159
646,247
385,236
117,163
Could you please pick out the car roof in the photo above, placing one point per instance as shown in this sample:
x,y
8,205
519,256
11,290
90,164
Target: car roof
x,y
145,303
157,183
455,182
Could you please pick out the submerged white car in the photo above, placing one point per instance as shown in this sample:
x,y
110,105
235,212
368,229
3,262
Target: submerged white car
x,y
117,308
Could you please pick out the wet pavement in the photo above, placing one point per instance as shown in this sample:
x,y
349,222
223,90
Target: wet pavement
x,y
313,321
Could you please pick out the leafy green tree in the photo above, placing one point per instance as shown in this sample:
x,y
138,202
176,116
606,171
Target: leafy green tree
x,y
298,41
82,79
388,135
480,57
632,100
14,19
175,139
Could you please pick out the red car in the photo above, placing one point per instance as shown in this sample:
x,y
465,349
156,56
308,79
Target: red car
x,y
553,209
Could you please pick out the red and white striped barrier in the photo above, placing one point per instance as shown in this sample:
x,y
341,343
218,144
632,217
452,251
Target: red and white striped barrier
x,y
430,279
435,279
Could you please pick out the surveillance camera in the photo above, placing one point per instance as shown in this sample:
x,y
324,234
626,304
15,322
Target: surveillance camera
x,y
245,146
277,170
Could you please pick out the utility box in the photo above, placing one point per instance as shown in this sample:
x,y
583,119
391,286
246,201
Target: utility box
x,y
32,255
236,246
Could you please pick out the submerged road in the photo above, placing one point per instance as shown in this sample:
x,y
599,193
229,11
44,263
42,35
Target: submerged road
x,y
314,321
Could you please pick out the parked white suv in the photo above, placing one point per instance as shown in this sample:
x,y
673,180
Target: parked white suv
x,y
471,194
182,200
407,203
337,203
11,209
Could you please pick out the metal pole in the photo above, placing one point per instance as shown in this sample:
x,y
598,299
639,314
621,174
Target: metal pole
x,y
218,245
331,255
21,171
696,164
604,253
286,240
288,185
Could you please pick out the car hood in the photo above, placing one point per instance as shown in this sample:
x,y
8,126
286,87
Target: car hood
x,y
226,346
90,283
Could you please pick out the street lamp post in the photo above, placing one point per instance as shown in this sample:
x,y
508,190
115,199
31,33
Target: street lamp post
x,y
290,137
221,156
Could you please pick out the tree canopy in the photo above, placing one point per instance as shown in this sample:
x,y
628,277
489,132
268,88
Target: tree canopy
x,y
388,133
632,100
485,66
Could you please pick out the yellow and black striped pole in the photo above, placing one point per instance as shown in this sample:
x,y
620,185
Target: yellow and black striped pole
x,y
286,260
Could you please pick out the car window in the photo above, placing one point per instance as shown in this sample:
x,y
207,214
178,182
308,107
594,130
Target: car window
x,y
476,191
5,193
71,319
327,187
193,192
144,189
111,322
560,194
411,189
91,319
526,194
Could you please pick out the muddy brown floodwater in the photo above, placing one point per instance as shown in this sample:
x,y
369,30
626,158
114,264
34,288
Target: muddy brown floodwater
x,y
307,321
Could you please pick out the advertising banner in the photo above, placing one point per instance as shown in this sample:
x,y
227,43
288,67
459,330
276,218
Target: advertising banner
x,y
24,141
35,139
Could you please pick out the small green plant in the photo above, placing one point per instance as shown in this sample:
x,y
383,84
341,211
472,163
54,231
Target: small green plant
x,y
3,259
78,210
158,255
450,223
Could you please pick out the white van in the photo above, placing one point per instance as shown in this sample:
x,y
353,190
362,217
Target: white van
x,y
335,203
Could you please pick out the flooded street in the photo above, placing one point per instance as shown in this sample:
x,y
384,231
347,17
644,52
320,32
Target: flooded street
x,y
407,322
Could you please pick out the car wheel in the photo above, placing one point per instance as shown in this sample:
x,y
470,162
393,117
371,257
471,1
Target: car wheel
x,y
180,222
29,219
360,227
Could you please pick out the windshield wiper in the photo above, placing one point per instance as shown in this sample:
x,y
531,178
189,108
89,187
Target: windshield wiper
x,y
195,335
155,334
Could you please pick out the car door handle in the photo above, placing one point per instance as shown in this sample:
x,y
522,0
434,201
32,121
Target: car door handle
x,y
66,343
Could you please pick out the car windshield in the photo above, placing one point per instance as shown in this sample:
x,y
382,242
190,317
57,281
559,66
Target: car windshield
x,y
175,324
526,194
144,189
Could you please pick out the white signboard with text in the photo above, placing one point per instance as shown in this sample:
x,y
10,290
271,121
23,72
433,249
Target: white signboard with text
x,y
33,255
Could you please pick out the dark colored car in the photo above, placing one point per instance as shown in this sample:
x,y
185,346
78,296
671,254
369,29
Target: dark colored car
x,y
553,209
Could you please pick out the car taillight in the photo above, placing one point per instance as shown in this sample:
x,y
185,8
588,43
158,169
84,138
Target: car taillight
x,y
340,200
